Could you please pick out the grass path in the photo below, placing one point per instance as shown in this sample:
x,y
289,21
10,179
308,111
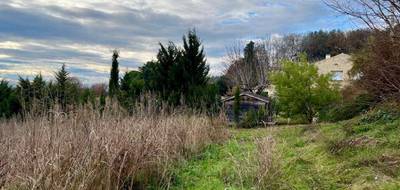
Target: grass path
x,y
216,167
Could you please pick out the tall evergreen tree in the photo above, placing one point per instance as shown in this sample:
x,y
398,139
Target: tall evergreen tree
x,y
168,57
114,75
62,79
194,61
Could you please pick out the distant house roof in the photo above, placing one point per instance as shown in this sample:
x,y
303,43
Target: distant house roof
x,y
338,59
248,94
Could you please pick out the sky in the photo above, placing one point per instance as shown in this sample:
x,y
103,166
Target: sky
x,y
38,36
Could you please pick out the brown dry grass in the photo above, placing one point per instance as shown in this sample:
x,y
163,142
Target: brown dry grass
x,y
83,150
268,164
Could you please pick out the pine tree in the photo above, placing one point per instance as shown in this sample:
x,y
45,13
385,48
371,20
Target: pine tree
x,y
62,79
114,75
194,61
168,58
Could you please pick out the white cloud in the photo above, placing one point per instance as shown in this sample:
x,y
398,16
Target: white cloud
x,y
10,45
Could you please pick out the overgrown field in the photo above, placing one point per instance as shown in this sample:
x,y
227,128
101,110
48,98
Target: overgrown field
x,y
89,150
84,150
363,153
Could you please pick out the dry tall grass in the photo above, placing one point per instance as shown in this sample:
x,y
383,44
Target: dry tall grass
x,y
268,164
84,150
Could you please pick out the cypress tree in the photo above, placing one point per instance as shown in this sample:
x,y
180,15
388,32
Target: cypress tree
x,y
114,75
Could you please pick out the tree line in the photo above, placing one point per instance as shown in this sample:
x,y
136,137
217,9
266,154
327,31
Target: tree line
x,y
178,77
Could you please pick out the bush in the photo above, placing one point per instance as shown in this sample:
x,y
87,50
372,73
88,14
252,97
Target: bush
x,y
348,109
253,118
384,113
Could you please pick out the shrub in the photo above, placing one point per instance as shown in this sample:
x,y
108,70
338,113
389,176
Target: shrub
x,y
384,113
253,118
349,108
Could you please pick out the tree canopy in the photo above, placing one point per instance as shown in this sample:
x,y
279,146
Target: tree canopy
x,y
301,91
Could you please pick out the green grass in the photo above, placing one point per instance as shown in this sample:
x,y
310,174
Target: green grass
x,y
217,167
347,155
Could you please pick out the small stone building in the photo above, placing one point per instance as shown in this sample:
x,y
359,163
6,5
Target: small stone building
x,y
248,101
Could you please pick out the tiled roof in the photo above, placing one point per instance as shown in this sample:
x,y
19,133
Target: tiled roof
x,y
251,95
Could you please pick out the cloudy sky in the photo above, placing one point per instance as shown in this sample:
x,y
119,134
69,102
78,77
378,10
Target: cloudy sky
x,y
38,36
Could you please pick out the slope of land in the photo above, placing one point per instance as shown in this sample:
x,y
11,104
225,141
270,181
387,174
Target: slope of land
x,y
363,153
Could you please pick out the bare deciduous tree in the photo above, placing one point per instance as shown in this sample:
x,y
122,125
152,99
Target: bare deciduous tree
x,y
378,66
248,66
377,14
248,73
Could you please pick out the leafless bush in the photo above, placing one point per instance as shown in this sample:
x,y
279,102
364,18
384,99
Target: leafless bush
x,y
87,150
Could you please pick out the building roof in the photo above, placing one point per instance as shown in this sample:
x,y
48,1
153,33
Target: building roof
x,y
338,59
249,94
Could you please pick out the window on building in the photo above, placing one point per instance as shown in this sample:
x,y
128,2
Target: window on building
x,y
337,75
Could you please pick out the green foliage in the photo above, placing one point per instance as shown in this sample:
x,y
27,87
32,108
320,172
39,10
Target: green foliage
x,y
114,75
193,61
132,85
87,97
205,98
150,73
349,109
180,75
301,90
67,89
222,85
9,104
320,43
62,79
236,105
385,113
253,118
25,93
